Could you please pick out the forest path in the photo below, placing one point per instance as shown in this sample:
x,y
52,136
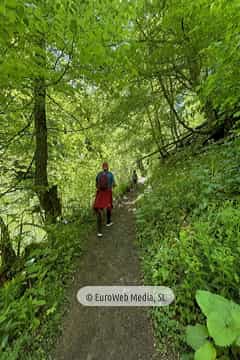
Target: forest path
x,y
108,333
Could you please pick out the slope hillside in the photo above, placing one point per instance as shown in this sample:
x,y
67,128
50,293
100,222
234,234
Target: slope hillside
x,y
188,231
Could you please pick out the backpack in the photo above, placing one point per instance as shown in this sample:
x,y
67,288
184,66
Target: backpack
x,y
103,181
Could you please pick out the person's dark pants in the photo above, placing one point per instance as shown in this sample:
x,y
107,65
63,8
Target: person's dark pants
x,y
99,218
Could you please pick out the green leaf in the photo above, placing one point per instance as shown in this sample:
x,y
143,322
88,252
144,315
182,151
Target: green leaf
x,y
51,310
220,328
209,302
39,302
35,323
206,352
236,114
235,315
4,341
3,318
196,336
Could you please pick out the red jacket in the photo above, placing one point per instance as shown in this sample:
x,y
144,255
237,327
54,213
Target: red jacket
x,y
103,199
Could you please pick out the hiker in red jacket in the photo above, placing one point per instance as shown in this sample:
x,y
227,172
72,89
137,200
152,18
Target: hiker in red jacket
x,y
104,183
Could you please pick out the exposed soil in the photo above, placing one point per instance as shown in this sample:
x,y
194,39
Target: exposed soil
x,y
108,333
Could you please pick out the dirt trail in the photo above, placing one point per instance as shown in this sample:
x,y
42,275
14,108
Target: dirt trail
x,y
103,333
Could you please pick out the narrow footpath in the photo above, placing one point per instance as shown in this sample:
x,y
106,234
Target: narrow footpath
x,y
108,333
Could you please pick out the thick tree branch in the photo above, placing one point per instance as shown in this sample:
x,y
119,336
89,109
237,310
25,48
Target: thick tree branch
x,y
171,105
70,55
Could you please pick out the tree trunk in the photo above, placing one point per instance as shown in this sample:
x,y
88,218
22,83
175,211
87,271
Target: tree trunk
x,y
155,137
174,129
48,197
8,255
158,127
171,104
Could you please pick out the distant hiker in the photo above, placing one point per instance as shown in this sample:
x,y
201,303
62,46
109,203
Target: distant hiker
x,y
104,183
134,179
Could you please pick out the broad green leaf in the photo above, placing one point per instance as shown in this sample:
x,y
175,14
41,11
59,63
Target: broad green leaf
x,y
209,302
205,352
196,336
220,328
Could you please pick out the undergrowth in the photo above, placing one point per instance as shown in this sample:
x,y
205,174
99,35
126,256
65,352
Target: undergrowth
x,y
32,302
189,234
